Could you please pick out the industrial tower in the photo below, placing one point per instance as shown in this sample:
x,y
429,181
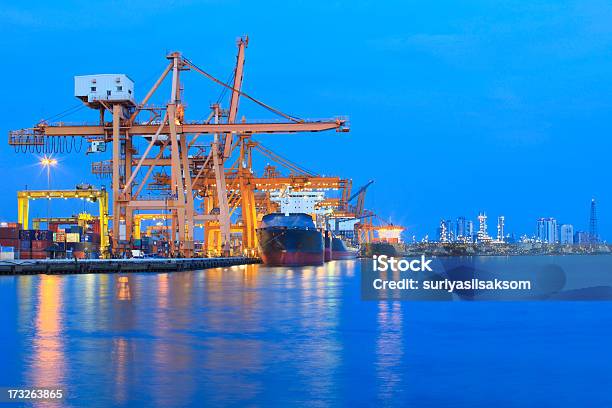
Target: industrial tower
x,y
593,236
500,229
483,235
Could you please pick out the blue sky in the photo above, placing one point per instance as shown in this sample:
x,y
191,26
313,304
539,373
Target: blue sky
x,y
455,107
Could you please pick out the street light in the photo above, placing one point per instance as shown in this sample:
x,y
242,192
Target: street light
x,y
48,162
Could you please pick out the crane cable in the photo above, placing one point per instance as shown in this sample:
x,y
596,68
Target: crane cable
x,y
64,113
224,90
268,152
268,107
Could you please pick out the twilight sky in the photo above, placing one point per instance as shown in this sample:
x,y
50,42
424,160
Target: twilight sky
x,y
455,107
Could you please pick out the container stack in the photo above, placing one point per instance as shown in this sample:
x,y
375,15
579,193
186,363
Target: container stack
x,y
143,244
72,242
9,240
81,243
34,243
58,248
7,253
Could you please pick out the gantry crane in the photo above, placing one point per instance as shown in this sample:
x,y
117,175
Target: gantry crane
x,y
93,195
251,192
82,219
167,131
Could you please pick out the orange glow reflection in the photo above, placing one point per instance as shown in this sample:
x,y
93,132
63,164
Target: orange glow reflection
x,y
49,365
123,288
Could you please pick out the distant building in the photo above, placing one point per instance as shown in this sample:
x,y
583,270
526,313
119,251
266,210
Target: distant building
x,y
442,232
460,233
450,231
483,235
547,230
500,229
566,234
469,230
582,238
594,236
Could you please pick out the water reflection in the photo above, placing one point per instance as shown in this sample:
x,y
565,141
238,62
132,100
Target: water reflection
x,y
48,360
210,335
123,288
121,356
258,336
389,350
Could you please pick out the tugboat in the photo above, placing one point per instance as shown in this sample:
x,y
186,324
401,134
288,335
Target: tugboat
x,y
290,239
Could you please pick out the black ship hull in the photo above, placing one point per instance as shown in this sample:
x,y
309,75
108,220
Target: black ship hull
x,y
280,246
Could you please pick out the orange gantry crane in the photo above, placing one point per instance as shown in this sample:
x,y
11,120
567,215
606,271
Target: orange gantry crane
x,y
251,192
170,142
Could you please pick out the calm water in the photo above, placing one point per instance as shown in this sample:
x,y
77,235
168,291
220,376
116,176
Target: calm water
x,y
260,336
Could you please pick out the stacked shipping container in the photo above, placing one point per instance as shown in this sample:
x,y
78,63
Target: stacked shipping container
x,y
16,243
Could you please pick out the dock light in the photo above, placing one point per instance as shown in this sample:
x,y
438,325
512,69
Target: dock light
x,y
47,163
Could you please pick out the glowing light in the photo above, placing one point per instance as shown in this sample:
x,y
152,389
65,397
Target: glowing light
x,y
48,161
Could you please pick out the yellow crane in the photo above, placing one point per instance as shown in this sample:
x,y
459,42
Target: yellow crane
x,y
93,195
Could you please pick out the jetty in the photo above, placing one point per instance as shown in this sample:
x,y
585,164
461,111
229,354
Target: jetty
x,y
76,266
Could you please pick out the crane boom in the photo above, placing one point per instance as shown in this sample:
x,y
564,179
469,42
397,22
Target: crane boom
x,y
233,109
362,189
151,129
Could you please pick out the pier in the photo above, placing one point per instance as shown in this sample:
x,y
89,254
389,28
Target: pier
x,y
76,266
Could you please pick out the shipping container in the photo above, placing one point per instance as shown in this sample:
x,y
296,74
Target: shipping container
x,y
90,237
9,233
7,256
40,245
26,235
42,235
35,235
96,227
73,237
9,242
78,254
10,225
82,246
75,229
93,255
25,245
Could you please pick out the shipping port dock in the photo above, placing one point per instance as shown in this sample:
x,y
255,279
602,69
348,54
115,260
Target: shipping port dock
x,y
68,266
185,190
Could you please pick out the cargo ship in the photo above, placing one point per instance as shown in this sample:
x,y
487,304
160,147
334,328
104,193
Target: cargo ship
x,y
327,236
290,239
340,251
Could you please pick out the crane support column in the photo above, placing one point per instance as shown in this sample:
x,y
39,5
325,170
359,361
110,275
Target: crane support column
x,y
129,224
103,207
116,180
189,209
224,217
23,211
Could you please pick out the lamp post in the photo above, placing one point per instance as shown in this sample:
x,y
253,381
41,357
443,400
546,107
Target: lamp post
x,y
47,163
